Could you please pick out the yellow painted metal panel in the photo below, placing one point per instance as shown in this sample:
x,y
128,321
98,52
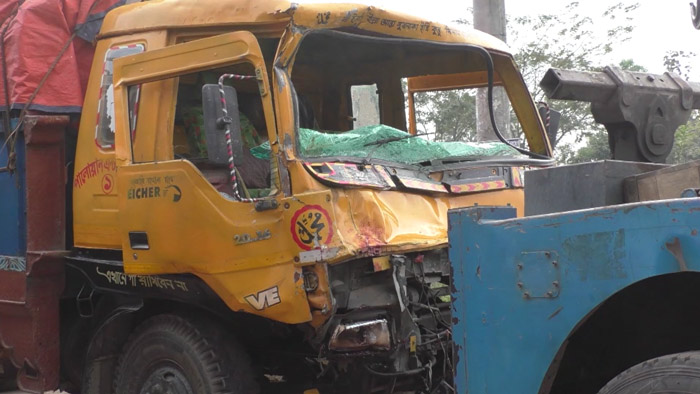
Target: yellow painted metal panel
x,y
178,14
189,57
175,14
376,19
377,222
192,228
95,223
524,106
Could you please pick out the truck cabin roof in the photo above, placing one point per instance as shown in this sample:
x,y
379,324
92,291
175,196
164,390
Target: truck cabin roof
x,y
272,17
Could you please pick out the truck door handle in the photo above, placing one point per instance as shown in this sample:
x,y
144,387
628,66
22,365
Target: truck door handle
x,y
264,205
138,240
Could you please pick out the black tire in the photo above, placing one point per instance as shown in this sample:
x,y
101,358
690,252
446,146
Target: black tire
x,y
171,354
675,373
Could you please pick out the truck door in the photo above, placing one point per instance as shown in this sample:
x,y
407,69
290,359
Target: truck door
x,y
178,209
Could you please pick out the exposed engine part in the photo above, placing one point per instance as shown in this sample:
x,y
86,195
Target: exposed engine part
x,y
310,281
393,320
363,335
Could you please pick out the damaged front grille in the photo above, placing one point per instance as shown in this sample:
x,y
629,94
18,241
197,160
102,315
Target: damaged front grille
x,y
392,318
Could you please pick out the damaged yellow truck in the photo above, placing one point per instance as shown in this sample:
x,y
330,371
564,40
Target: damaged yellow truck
x,y
236,228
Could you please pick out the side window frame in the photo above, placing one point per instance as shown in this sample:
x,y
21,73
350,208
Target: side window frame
x,y
180,59
105,127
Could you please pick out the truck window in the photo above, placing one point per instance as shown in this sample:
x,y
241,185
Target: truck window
x,y
104,131
352,60
449,115
189,138
455,120
365,105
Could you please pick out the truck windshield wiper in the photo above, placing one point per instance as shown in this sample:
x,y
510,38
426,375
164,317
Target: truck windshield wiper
x,y
392,139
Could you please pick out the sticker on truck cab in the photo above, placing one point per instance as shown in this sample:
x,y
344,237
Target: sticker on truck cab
x,y
311,227
154,187
264,298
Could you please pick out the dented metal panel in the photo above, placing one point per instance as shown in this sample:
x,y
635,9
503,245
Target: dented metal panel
x,y
522,285
155,15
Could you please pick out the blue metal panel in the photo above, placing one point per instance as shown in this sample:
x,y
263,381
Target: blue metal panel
x,y
13,224
522,285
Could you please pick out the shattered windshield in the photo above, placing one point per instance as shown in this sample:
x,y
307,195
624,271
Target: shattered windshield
x,y
390,144
355,101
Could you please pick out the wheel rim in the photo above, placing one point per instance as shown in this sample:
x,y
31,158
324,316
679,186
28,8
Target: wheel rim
x,y
166,380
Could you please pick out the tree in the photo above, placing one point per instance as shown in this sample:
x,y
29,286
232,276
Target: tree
x,y
686,146
572,41
567,40
676,62
448,115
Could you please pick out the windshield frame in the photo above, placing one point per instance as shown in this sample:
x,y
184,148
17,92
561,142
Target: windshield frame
x,y
532,125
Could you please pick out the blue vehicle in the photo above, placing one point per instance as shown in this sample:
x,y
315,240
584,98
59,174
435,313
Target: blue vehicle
x,y
602,300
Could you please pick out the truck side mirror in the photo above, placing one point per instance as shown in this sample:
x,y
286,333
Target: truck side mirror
x,y
215,124
551,120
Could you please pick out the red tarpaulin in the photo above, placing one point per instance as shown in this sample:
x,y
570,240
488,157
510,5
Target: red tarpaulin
x,y
36,33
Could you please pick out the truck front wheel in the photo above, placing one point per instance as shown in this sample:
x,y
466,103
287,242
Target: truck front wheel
x,y
172,354
675,373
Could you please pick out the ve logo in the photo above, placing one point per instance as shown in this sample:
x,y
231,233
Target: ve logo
x,y
264,298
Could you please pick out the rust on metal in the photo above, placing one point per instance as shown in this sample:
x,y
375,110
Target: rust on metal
x,y
29,311
677,252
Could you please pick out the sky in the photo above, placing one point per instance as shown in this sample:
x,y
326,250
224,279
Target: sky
x,y
660,25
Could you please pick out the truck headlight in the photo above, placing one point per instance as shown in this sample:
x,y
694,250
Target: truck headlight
x,y
362,335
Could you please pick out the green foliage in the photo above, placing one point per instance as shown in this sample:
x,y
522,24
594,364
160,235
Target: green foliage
x,y
572,41
596,148
687,143
451,115
677,62
630,65
686,146
567,40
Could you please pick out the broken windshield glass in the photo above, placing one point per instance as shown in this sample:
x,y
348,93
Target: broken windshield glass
x,y
332,70
362,143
